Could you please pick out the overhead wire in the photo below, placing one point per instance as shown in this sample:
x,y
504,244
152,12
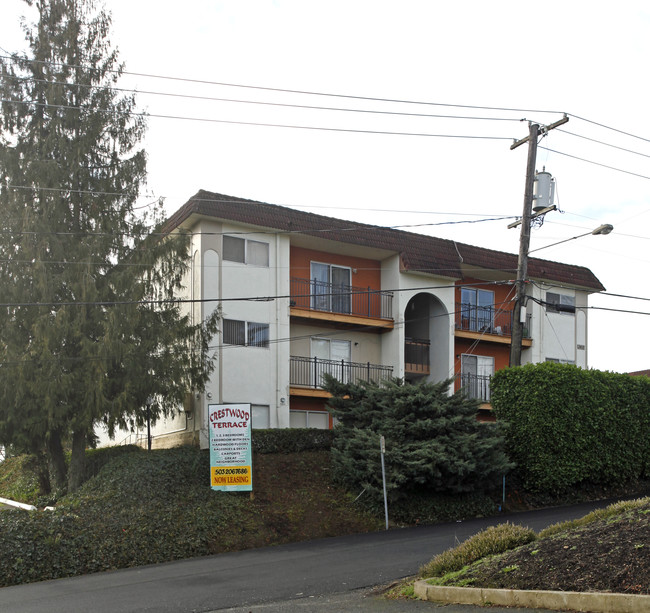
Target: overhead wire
x,y
266,124
261,102
293,91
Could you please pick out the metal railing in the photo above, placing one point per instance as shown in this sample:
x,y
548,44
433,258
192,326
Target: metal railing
x,y
416,355
476,386
308,372
336,298
489,320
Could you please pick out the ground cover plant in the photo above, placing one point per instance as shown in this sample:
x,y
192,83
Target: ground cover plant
x,y
606,550
149,507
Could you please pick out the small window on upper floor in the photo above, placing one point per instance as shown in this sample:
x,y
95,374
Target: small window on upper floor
x,y
245,333
245,251
560,303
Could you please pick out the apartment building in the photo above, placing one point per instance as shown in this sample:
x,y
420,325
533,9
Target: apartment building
x,y
303,294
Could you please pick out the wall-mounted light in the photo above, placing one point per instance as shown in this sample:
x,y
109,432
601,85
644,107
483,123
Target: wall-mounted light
x,y
209,395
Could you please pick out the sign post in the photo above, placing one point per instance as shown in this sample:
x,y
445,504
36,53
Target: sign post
x,y
382,449
231,464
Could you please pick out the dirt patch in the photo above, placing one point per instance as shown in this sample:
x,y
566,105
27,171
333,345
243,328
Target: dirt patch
x,y
606,556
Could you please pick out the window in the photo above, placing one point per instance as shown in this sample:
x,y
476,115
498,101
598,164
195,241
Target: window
x,y
309,419
258,334
332,357
234,249
255,253
560,303
330,288
234,332
251,334
328,349
560,361
475,373
260,416
477,309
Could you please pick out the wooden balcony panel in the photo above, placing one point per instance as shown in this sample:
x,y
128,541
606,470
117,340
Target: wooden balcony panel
x,y
344,319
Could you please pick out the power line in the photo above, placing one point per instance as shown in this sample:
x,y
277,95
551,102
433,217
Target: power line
x,y
575,157
261,102
178,301
249,232
262,124
15,58
602,125
600,142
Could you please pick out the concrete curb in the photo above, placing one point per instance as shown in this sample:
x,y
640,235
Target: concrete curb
x,y
595,602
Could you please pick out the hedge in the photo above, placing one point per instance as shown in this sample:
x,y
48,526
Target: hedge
x,y
567,426
291,440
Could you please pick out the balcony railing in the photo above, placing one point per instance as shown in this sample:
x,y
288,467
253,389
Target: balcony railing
x,y
476,386
416,356
308,372
335,298
489,320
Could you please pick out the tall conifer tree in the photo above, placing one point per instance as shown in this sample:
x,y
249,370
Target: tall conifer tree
x,y
89,330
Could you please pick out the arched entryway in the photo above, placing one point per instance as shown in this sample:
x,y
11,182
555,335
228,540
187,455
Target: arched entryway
x,y
426,343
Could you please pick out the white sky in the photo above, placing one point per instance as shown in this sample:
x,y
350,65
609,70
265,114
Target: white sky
x,y
588,59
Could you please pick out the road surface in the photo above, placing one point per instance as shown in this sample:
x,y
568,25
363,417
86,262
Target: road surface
x,y
256,579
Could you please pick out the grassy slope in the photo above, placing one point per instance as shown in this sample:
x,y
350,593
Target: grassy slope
x,y
144,508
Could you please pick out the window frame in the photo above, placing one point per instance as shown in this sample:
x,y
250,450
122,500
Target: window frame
x,y
565,302
247,251
246,332
472,310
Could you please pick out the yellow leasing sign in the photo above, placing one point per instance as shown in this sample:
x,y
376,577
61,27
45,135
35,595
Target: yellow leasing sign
x,y
231,475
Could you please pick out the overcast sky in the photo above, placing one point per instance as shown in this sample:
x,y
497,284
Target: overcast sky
x,y
422,68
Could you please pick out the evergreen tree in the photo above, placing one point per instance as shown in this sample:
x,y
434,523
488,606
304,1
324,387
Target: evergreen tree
x,y
434,442
90,330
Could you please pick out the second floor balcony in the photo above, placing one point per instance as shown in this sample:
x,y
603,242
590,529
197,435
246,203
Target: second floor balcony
x,y
342,302
308,372
487,320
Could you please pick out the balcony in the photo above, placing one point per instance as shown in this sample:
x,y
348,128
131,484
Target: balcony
x,y
416,356
308,373
488,323
346,304
476,386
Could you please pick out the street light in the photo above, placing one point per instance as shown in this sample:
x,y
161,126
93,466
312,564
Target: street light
x,y
605,228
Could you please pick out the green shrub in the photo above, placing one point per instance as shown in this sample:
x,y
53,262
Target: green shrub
x,y
567,426
434,443
291,440
492,541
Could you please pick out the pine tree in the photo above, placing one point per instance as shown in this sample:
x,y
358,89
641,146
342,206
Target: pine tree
x,y
90,331
434,442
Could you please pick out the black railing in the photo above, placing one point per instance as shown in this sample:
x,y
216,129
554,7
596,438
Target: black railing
x,y
476,386
416,355
489,320
308,372
336,298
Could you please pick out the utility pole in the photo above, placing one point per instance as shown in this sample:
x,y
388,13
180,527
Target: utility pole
x,y
524,237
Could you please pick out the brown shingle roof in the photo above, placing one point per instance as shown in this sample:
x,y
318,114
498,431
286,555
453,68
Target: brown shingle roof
x,y
537,269
640,373
418,252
